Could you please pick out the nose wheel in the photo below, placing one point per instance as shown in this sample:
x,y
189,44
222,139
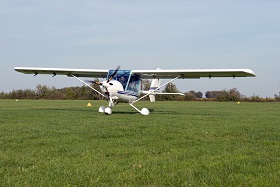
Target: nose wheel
x,y
104,110
108,111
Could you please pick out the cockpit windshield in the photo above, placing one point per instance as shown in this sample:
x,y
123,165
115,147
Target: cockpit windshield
x,y
122,76
130,82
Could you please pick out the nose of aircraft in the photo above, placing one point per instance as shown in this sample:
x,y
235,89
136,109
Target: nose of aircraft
x,y
106,84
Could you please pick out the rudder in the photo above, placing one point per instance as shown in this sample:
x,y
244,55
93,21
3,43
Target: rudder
x,y
154,86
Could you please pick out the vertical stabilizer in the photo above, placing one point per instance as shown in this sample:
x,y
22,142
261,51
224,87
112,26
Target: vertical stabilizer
x,y
154,85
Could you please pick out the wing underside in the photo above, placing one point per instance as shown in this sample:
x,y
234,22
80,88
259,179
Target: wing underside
x,y
97,73
193,73
146,74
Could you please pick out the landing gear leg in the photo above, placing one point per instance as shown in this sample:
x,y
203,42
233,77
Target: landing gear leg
x,y
144,111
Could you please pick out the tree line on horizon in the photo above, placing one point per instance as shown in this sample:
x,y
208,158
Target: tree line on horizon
x,y
85,93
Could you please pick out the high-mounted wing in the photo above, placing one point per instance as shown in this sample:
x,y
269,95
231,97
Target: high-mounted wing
x,y
97,73
193,73
147,74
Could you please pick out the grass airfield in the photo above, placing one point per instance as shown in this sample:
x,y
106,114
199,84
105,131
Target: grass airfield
x,y
66,143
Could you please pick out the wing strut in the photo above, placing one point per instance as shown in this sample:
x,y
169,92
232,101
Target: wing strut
x,y
88,85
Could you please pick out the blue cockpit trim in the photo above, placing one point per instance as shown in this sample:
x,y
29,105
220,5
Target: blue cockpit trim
x,y
128,93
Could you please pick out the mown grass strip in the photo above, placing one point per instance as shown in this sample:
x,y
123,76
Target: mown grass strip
x,y
65,143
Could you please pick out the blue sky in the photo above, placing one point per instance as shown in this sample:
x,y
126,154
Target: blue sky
x,y
142,35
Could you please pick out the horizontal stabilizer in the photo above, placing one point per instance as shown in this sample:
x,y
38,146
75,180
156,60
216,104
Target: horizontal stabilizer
x,y
152,94
160,93
169,94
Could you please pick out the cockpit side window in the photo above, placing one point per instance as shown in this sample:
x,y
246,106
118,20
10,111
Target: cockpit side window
x,y
134,84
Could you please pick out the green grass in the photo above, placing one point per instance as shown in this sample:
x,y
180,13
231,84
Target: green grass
x,y
65,143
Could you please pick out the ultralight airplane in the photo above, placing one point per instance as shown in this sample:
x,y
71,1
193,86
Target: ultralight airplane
x,y
123,86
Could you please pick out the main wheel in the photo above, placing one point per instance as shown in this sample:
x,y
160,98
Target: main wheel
x,y
145,111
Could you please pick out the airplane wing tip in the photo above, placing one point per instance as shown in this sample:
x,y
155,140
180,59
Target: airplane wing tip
x,y
250,72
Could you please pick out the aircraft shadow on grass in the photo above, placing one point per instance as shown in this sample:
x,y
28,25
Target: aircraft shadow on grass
x,y
82,110
135,112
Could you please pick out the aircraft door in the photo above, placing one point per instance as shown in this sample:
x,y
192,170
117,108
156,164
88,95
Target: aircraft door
x,y
134,84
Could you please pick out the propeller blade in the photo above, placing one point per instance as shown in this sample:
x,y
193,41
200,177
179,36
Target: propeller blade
x,y
113,74
94,82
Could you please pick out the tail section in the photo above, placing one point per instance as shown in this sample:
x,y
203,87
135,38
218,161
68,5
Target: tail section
x,y
154,89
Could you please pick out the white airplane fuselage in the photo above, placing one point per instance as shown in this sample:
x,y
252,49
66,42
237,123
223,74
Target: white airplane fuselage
x,y
116,92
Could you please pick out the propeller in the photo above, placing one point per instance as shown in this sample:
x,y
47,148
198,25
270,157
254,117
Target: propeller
x,y
110,78
113,74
